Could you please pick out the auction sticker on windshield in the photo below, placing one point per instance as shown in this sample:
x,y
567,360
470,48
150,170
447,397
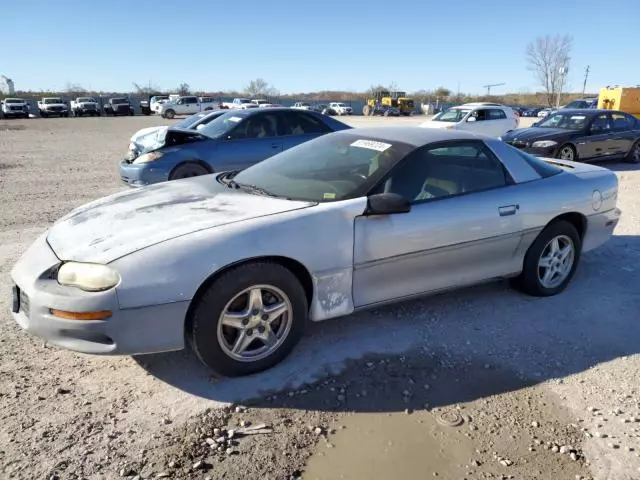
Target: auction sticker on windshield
x,y
235,119
371,145
578,117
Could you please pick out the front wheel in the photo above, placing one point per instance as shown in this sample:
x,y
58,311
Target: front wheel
x,y
567,152
188,170
169,114
551,260
634,154
249,319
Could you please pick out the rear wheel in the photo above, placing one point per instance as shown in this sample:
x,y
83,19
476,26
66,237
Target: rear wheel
x,y
567,152
551,260
249,319
188,170
634,154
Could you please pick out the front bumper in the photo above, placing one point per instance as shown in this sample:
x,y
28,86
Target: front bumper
x,y
140,175
16,113
150,329
55,112
538,152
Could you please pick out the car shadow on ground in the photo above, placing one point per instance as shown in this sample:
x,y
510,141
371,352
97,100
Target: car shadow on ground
x,y
466,344
618,166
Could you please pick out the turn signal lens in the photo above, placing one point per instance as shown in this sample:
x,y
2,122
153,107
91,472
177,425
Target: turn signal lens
x,y
80,315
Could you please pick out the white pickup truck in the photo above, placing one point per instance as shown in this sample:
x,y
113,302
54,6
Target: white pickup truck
x,y
15,108
85,106
240,104
53,106
340,108
187,105
301,106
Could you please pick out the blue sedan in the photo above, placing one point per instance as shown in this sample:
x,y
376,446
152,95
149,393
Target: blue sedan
x,y
234,140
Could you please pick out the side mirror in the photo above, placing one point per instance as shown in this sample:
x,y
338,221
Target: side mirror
x,y
386,204
471,119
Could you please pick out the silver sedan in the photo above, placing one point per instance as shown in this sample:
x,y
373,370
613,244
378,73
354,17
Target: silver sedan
x,y
234,264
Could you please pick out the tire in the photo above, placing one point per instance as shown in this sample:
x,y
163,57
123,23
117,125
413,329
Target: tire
x,y
43,115
530,281
567,150
213,342
169,114
188,170
634,154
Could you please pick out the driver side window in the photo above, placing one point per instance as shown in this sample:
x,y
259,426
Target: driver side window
x,y
256,126
440,172
601,123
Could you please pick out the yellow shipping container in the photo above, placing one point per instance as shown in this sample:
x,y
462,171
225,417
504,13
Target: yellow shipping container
x,y
625,99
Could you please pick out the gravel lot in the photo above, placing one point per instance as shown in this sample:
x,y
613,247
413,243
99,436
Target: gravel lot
x,y
480,383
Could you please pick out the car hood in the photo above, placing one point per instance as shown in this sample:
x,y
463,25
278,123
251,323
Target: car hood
x,y
537,133
146,135
432,124
114,226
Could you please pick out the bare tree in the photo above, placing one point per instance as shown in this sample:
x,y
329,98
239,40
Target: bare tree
x,y
183,89
442,92
260,86
74,89
145,89
393,87
545,57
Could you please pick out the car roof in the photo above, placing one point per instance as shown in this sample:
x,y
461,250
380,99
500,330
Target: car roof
x,y
410,135
589,111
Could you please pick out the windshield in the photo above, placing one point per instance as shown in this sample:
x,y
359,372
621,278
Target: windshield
x,y
119,101
222,124
13,100
53,100
569,121
577,104
339,104
199,119
452,115
244,100
156,99
333,167
86,99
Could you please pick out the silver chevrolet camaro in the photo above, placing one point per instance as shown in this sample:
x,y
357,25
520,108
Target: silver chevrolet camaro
x,y
235,264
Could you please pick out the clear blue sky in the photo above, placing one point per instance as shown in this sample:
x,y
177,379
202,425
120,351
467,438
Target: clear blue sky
x,y
301,46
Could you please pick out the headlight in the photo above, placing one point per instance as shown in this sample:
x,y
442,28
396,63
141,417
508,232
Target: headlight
x,y
148,157
544,144
91,277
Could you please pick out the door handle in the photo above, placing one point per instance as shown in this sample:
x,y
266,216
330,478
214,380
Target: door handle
x,y
275,145
507,210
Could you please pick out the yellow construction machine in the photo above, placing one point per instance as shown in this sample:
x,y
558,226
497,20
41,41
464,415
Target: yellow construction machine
x,y
625,99
383,102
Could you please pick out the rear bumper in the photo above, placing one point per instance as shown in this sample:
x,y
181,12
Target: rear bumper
x,y
600,227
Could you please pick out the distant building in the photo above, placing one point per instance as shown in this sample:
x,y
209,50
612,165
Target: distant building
x,y
6,85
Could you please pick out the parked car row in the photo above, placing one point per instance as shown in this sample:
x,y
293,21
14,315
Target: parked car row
x,y
296,216
58,107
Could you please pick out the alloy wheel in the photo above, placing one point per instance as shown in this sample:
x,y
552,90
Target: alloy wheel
x,y
556,261
255,323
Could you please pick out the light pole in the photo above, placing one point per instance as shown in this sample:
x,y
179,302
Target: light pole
x,y
563,73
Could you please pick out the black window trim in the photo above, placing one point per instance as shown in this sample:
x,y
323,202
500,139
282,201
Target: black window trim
x,y
509,181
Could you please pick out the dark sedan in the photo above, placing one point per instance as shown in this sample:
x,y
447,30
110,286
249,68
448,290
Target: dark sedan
x,y
234,140
581,135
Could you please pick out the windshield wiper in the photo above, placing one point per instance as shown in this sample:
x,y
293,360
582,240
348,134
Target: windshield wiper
x,y
250,188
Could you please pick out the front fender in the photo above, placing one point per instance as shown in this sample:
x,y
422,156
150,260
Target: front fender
x,y
172,271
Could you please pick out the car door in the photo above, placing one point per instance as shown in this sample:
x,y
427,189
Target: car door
x,y
480,122
254,139
463,226
498,123
622,132
598,142
192,105
299,127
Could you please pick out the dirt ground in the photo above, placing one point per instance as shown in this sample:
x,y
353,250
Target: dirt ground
x,y
483,383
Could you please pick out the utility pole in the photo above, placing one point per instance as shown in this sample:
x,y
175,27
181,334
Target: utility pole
x,y
586,75
563,73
